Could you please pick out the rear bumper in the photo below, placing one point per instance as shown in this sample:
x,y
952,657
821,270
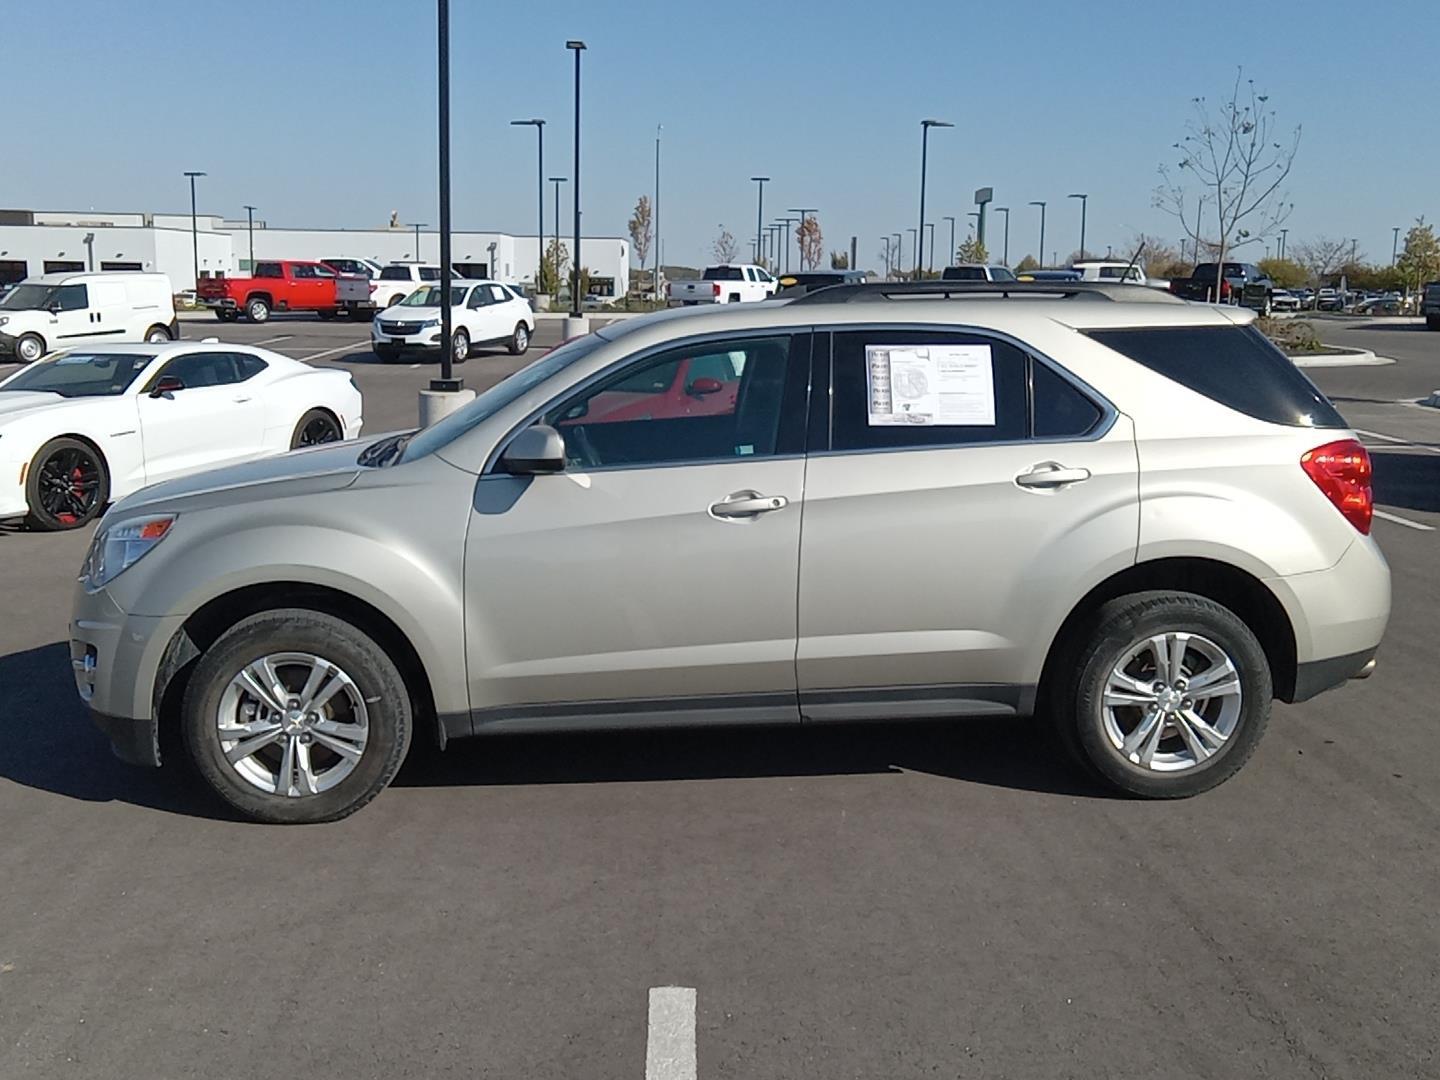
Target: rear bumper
x,y
223,302
1320,675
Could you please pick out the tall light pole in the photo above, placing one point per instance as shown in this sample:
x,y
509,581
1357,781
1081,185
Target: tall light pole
x,y
1284,236
1394,244
250,227
557,181
577,47
1005,257
804,212
447,382
194,227
656,277
1353,245
925,126
915,235
950,259
899,249
539,126
1084,202
931,226
1041,204
417,226
785,237
759,212
887,257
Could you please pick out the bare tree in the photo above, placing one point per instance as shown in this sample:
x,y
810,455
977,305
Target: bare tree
x,y
1323,256
811,242
839,260
1155,253
724,247
1238,164
640,229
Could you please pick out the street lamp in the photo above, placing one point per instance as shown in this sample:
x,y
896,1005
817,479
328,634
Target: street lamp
x,y
785,238
804,212
250,227
577,47
557,181
1284,235
446,383
1005,258
899,249
655,277
915,238
194,227
539,126
925,126
1041,204
950,260
1394,244
1084,202
417,226
759,212
887,257
1353,244
931,226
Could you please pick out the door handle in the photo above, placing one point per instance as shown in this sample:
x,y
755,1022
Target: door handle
x,y
1051,474
747,505
241,400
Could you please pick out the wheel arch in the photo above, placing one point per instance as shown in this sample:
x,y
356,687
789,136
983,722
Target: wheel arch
x,y
90,441
259,294
1238,590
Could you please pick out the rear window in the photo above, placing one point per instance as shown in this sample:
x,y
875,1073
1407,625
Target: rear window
x,y
723,273
1234,365
963,273
395,273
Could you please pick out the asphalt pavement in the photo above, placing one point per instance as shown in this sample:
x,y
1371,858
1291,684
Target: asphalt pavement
x,y
886,901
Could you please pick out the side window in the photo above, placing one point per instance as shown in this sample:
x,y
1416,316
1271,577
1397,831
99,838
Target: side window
x,y
321,270
1060,409
918,388
479,297
302,270
269,270
999,273
712,401
497,294
72,297
429,273
248,365
199,370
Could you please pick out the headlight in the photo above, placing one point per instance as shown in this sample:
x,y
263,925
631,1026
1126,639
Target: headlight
x,y
117,548
429,324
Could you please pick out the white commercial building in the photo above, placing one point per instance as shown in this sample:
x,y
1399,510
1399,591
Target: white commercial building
x,y
38,242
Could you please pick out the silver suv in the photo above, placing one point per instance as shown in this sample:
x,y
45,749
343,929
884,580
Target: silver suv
x,y
1127,514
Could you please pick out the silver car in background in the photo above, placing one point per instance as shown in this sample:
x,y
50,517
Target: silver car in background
x,y
1130,515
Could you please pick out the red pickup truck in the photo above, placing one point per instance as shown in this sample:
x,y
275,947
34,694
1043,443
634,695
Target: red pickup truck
x,y
277,285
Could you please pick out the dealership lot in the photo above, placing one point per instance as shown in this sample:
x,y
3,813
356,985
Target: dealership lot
x,y
847,901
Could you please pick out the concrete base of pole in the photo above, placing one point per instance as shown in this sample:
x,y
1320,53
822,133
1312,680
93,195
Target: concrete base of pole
x,y
576,326
437,404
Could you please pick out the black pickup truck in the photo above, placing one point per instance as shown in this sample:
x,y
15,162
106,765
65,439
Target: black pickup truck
x,y
1243,283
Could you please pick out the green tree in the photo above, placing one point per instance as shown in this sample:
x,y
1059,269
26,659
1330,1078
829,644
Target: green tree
x,y
552,268
1027,263
971,250
839,260
640,229
1420,261
1284,272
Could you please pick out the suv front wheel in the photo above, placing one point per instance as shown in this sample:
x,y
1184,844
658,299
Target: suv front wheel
x,y
1169,694
295,717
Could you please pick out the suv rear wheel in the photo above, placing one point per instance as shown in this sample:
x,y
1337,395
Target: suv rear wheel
x,y
295,717
1168,696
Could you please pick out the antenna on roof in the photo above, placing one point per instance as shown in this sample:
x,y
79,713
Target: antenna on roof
x,y
1131,266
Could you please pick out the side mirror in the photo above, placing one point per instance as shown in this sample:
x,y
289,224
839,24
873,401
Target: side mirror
x,y
53,307
705,385
167,385
537,449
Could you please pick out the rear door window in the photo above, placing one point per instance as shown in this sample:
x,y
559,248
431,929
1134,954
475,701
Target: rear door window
x,y
269,270
1234,365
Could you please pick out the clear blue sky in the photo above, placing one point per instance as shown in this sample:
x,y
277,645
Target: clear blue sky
x,y
322,112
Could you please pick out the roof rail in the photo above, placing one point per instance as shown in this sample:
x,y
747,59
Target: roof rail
x,y
948,290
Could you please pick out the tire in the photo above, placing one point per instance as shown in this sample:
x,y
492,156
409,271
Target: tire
x,y
459,345
368,715
519,340
157,335
388,354
1182,759
29,348
325,313
315,428
257,310
224,316
1432,322
66,486
1267,308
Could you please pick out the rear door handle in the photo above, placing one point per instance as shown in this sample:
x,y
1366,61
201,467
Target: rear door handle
x,y
747,504
240,400
1051,474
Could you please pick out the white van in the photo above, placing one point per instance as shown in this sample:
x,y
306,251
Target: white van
x,y
54,311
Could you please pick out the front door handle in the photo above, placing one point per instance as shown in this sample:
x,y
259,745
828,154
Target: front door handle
x,y
747,505
241,399
1049,475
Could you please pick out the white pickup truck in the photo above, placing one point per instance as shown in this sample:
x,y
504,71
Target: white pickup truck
x,y
725,285
1104,270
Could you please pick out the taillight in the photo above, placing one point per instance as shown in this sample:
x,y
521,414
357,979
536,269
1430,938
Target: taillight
x,y
714,288
1342,471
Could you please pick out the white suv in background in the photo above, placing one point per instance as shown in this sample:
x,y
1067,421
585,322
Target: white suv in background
x,y
481,313
400,279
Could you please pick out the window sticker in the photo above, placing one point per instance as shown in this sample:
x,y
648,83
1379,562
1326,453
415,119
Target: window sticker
x,y
930,385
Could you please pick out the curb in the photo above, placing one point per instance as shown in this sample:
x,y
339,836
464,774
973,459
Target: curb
x,y
1341,358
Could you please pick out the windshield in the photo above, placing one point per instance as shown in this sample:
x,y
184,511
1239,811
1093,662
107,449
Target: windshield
x,y
81,374
27,298
498,396
430,297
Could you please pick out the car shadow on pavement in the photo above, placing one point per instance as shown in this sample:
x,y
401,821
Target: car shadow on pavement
x,y
1406,481
48,742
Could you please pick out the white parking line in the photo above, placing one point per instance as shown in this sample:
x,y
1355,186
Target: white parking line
x,y
670,1042
338,349
1394,439
273,340
1398,520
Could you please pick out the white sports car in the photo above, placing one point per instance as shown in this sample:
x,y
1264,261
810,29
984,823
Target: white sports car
x,y
89,425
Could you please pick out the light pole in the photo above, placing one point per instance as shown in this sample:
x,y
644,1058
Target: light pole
x,y
1354,243
1394,244
950,259
899,249
1084,202
1284,235
785,237
925,126
656,276
539,126
1041,204
447,383
931,226
194,227
577,47
915,235
759,212
887,257
89,241
1005,257
804,212
557,181
417,226
250,227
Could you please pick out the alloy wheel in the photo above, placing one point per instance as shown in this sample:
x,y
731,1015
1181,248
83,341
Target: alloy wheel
x,y
69,485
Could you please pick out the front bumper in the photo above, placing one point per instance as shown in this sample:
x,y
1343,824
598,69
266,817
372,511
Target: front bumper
x,y
7,342
424,339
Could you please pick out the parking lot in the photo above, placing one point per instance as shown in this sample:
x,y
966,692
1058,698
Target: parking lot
x,y
851,901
